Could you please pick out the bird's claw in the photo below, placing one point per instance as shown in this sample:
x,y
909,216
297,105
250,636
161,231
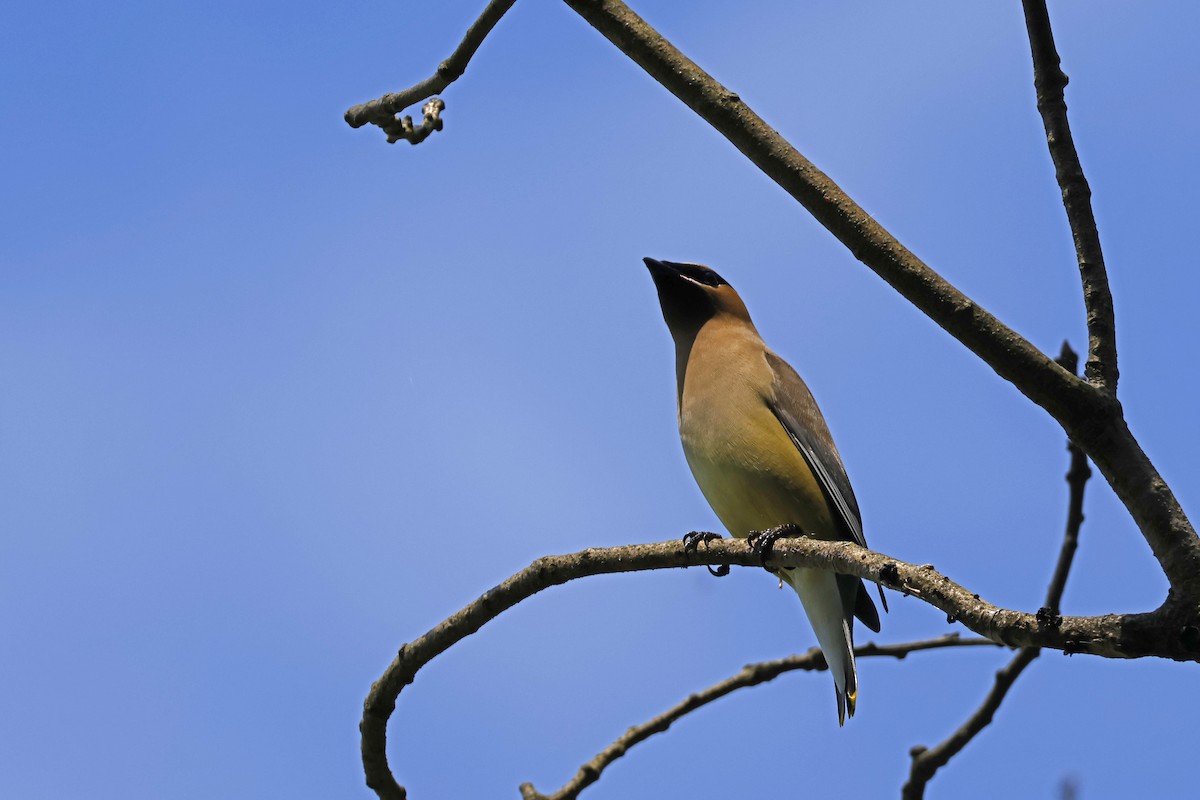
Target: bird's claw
x,y
762,542
694,539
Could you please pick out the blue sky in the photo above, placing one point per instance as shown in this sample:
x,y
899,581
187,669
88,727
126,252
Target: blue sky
x,y
280,397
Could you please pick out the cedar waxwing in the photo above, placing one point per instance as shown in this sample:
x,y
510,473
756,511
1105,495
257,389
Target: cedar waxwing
x,y
761,452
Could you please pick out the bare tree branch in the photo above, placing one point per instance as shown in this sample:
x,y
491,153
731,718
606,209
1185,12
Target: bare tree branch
x,y
751,675
927,761
382,111
1049,82
1112,635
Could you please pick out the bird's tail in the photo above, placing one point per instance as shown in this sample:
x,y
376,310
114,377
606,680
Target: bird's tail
x,y
822,601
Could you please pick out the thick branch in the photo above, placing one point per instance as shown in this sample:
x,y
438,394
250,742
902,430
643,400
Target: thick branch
x,y
926,762
1113,448
1166,633
751,675
1049,81
382,111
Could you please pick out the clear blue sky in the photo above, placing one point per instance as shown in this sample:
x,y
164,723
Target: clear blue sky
x,y
279,397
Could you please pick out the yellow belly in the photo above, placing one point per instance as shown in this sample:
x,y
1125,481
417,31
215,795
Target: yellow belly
x,y
754,477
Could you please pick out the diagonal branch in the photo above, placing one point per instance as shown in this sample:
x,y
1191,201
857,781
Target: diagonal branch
x,y
1049,82
926,762
382,111
751,675
1113,635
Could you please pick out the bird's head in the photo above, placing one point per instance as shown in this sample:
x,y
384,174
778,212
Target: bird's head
x,y
691,295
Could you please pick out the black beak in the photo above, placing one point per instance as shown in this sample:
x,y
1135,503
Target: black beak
x,y
659,270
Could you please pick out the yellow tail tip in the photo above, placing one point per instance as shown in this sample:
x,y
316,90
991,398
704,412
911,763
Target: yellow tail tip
x,y
845,704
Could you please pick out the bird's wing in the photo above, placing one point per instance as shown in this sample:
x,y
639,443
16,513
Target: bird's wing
x,y
794,407
797,412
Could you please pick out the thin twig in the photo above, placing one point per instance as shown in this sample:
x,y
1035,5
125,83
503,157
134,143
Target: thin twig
x,y
927,761
1112,635
1049,81
1077,478
751,675
383,110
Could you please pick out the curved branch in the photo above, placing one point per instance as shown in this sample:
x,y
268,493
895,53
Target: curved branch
x,y
927,761
1049,81
1163,633
751,675
382,111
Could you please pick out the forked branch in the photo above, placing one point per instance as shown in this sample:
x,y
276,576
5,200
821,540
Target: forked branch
x,y
1049,81
383,110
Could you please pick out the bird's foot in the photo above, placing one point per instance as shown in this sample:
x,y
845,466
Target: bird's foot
x,y
694,539
762,542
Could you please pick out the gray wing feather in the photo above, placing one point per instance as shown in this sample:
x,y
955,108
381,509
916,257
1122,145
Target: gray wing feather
x,y
796,410
810,435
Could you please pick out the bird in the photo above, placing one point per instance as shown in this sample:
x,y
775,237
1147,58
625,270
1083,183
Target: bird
x,y
761,452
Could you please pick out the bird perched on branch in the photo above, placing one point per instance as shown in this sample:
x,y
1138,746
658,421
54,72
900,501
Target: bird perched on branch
x,y
761,452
